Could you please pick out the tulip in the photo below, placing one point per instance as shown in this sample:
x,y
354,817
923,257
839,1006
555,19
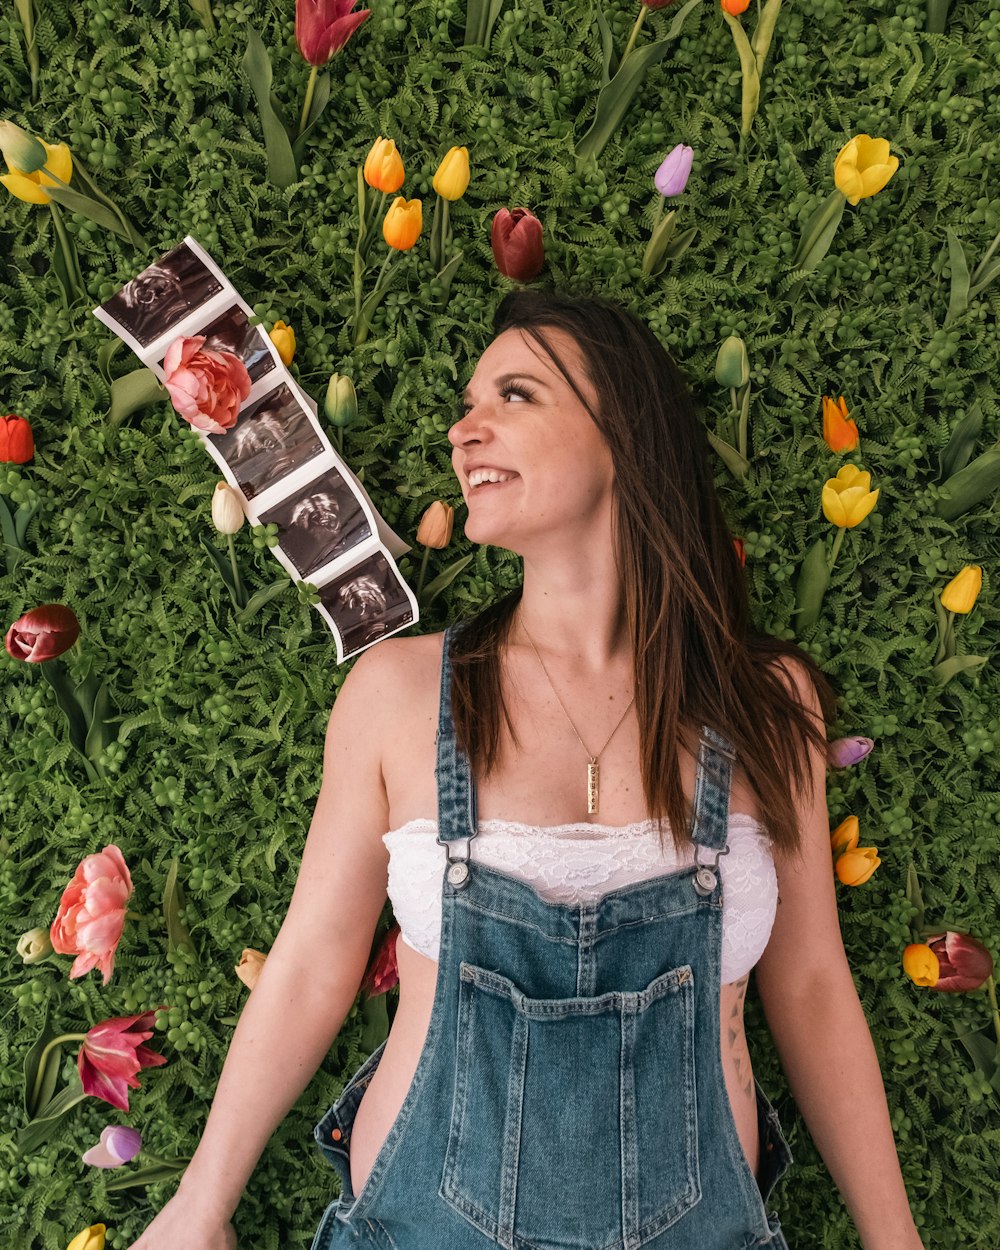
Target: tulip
x,y
735,7
672,176
847,499
845,836
25,182
21,150
921,964
964,963
283,338
854,867
250,966
402,224
34,945
341,403
119,1144
383,974
740,550
839,433
384,166
113,1052
91,1238
518,250
227,511
17,442
452,177
962,591
323,27
843,752
732,367
43,633
435,525
92,912
863,166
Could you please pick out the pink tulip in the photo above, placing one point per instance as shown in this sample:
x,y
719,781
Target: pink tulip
x,y
118,1145
322,27
91,913
843,752
965,963
43,633
206,388
112,1053
383,974
671,178
518,249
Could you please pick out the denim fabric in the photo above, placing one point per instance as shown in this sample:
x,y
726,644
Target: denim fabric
x,y
570,1092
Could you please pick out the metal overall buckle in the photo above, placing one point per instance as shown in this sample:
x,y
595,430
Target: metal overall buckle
x,y
458,869
706,879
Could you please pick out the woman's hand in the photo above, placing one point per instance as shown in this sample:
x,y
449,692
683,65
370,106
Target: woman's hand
x,y
181,1223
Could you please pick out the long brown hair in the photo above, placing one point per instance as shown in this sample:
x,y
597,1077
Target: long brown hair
x,y
696,659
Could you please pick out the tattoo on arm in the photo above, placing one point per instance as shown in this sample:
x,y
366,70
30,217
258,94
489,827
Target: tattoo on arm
x,y
737,1040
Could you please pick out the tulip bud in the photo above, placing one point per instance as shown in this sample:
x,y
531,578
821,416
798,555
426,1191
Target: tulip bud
x,y
732,368
119,1144
435,525
452,178
856,866
963,962
921,964
740,550
671,178
961,592
843,752
43,633
735,7
384,166
227,511
341,404
250,967
402,223
839,433
34,945
283,338
847,499
518,250
91,1238
17,442
845,836
21,151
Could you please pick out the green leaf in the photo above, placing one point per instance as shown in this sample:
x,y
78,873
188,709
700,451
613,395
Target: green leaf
x,y
321,98
813,580
959,301
133,391
263,596
53,1062
280,157
152,1174
173,903
222,563
819,231
105,355
58,677
962,443
737,464
433,589
982,1048
91,209
44,1125
942,673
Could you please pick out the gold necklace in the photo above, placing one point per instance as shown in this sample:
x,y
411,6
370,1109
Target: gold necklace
x,y
593,771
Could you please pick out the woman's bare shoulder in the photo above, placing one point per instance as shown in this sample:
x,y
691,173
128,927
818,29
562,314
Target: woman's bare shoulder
x,y
411,665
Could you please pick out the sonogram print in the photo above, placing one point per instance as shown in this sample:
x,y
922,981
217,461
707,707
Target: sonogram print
x,y
271,438
232,332
319,522
367,602
162,295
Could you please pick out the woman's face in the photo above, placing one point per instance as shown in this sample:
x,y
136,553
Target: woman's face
x,y
523,418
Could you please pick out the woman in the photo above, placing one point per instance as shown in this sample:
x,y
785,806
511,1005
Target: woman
x,y
567,1065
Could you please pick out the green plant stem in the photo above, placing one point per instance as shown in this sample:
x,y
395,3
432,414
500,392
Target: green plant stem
x,y
635,32
423,571
982,264
837,544
307,105
70,261
63,1037
991,989
237,580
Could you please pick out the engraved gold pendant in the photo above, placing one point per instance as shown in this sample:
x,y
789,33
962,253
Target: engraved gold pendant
x,y
593,771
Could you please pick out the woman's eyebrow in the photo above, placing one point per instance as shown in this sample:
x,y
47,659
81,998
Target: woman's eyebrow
x,y
509,377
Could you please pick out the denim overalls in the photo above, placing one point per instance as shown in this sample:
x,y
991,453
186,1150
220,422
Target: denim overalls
x,y
570,1092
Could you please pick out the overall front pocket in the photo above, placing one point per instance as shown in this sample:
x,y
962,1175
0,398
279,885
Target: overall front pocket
x,y
574,1121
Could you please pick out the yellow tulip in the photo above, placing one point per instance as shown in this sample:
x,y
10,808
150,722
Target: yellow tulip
x,y
847,499
961,592
845,836
452,178
384,166
29,186
863,166
91,1238
402,224
435,525
920,964
283,337
854,867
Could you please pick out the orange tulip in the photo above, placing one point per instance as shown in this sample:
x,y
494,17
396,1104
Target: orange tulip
x,y
735,7
839,433
402,224
921,964
384,166
854,867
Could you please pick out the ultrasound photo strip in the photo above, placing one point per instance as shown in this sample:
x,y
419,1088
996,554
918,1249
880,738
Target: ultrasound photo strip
x,y
276,456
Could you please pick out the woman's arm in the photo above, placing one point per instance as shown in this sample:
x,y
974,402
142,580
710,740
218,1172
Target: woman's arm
x,y
820,1032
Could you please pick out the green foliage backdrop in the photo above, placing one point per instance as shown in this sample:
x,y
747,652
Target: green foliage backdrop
x,y
221,767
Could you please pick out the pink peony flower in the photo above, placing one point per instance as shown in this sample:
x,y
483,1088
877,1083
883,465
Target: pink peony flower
x,y
91,913
112,1053
118,1145
206,388
43,633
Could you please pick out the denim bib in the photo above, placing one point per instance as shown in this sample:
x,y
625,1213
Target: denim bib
x,y
570,1092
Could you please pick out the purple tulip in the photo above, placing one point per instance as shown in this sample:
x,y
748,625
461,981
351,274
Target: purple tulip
x,y
118,1145
964,962
843,752
671,178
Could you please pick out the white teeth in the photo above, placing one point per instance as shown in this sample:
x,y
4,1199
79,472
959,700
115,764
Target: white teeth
x,y
478,476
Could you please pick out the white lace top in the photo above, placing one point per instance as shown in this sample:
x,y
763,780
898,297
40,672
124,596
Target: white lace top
x,y
577,863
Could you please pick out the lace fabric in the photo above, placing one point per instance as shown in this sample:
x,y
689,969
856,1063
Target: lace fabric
x,y
579,863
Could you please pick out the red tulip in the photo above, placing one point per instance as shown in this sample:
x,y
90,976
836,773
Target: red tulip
x,y
383,974
518,249
322,27
965,963
17,443
740,550
43,633
112,1053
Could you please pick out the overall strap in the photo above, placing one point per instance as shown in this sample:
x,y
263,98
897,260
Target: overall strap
x,y
456,787
710,827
